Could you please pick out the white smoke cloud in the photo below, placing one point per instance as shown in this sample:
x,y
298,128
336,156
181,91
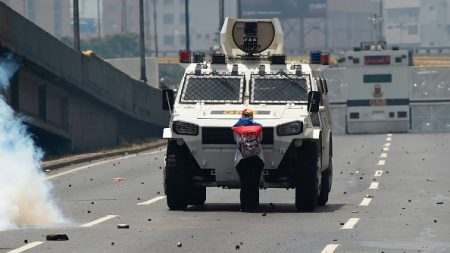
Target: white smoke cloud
x,y
25,198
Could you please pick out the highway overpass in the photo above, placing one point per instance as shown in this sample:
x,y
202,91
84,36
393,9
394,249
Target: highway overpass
x,y
74,101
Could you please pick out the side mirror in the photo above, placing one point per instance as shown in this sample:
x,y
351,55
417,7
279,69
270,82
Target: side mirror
x,y
314,98
168,100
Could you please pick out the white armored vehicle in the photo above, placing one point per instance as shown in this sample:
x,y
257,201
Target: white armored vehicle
x,y
289,100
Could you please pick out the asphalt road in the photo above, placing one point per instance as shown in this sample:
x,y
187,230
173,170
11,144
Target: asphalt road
x,y
390,194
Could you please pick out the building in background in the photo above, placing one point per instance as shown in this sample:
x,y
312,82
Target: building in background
x,y
170,20
418,23
116,20
315,24
54,16
402,22
90,13
348,22
307,24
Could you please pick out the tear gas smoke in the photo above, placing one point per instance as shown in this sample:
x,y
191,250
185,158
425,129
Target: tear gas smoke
x,y
25,198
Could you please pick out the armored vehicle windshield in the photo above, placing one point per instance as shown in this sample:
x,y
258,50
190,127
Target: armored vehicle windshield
x,y
213,89
276,89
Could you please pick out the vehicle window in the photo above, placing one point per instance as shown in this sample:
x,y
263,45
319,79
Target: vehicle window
x,y
380,78
213,89
276,89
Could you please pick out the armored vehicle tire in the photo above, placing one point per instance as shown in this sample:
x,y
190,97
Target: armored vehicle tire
x,y
325,185
177,178
197,195
306,190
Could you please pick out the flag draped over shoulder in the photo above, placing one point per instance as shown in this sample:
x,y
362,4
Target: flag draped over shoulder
x,y
248,137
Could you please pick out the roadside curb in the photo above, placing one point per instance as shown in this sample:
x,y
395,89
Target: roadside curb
x,y
66,161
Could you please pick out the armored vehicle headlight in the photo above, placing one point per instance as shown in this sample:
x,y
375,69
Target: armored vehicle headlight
x,y
291,128
184,128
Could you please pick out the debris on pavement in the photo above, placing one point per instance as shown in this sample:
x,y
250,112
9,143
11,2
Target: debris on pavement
x,y
118,179
179,244
123,226
56,237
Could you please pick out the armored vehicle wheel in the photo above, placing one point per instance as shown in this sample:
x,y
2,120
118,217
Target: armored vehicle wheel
x,y
177,178
325,188
197,195
306,191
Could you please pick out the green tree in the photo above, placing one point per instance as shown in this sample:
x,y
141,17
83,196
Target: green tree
x,y
121,45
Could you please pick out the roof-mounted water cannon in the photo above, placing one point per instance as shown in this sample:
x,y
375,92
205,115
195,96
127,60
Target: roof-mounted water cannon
x,y
247,37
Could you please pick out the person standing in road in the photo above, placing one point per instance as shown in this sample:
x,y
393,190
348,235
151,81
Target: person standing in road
x,y
248,159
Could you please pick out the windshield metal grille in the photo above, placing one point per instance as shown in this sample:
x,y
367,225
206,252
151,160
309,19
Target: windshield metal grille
x,y
278,89
213,89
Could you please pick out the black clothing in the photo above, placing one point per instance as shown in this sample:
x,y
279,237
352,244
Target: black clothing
x,y
249,170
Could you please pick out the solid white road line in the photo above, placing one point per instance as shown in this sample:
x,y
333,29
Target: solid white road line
x,y
26,247
154,152
385,149
365,202
97,221
350,224
388,139
388,144
374,186
330,248
153,200
383,155
378,173
100,163
381,162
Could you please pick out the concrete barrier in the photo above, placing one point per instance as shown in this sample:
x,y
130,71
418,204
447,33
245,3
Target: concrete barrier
x,y
78,101
91,74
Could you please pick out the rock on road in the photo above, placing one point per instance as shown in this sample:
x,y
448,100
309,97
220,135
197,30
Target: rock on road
x,y
391,193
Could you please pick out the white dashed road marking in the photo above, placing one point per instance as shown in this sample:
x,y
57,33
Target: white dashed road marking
x,y
378,173
153,200
350,224
388,139
385,149
383,155
330,248
387,144
365,202
389,135
26,247
92,223
374,186
381,162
